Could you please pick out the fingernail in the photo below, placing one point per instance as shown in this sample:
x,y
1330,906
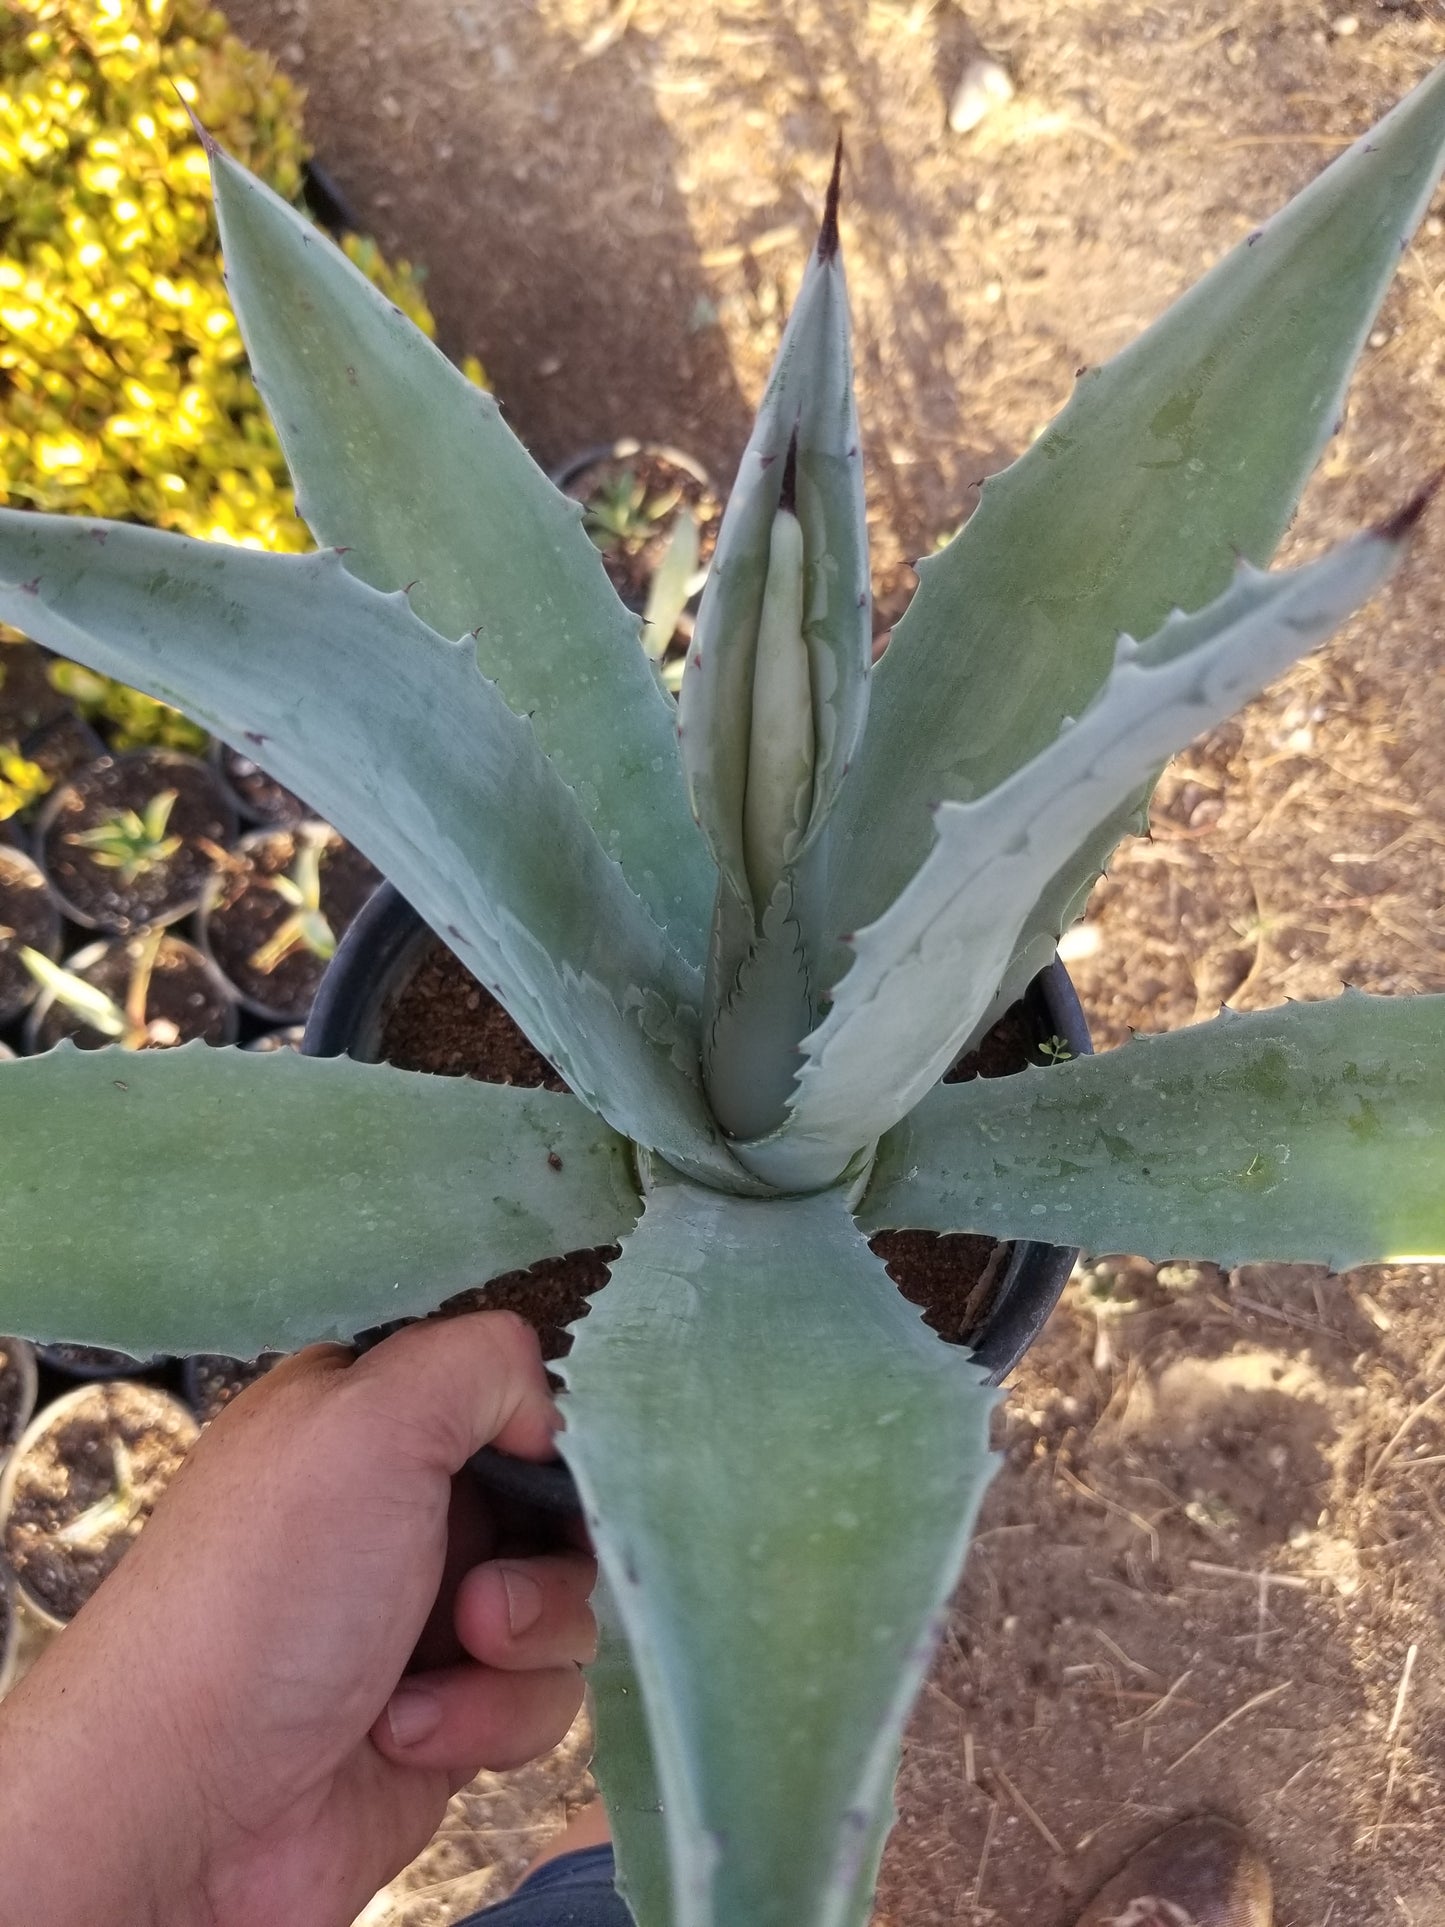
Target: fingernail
x,y
524,1599
412,1713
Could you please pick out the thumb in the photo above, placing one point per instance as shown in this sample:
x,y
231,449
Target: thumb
x,y
439,1391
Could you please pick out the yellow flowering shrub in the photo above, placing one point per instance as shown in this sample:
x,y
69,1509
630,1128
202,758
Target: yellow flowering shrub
x,y
124,389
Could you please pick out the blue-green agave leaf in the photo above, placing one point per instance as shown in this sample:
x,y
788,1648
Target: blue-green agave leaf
x,y
232,1201
924,973
780,1464
394,734
1313,1133
1185,452
408,468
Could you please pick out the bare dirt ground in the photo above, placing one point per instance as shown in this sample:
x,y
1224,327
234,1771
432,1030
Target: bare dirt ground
x,y
1209,1573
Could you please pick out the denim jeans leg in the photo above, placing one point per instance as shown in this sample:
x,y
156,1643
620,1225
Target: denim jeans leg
x,y
574,1890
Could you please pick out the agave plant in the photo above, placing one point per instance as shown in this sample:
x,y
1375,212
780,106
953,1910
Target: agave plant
x,y
752,932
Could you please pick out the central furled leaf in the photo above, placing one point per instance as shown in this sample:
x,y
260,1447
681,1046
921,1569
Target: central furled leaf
x,y
780,1465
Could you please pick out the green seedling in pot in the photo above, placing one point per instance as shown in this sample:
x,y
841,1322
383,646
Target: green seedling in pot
x,y
620,514
125,1022
306,928
132,842
752,932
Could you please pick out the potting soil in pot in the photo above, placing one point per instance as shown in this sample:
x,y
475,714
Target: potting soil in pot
x,y
70,1472
444,1021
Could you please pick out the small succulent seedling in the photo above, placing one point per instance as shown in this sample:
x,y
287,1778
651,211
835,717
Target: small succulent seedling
x,y
752,931
306,928
132,842
621,514
125,1022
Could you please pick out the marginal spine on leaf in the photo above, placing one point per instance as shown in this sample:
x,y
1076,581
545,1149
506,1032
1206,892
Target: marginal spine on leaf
x,y
828,233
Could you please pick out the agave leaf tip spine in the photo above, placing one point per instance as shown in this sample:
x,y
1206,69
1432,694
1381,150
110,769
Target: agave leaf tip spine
x,y
828,241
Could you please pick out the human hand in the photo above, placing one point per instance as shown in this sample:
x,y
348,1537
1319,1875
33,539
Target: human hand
x,y
258,1719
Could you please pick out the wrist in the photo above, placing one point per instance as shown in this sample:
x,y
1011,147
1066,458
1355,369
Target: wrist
x,y
94,1826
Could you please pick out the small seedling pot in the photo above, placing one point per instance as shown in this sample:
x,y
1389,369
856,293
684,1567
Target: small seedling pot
x,y
86,1364
19,1380
255,796
9,1630
57,1533
209,1381
93,895
385,947
240,912
185,987
29,919
580,475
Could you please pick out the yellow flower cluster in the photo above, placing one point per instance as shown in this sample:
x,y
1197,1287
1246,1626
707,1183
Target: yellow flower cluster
x,y
124,389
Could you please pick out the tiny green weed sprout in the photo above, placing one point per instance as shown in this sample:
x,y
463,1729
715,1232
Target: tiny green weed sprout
x,y
1055,1050
753,930
132,842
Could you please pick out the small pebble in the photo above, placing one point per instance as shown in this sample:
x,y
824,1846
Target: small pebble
x,y
1344,26
983,86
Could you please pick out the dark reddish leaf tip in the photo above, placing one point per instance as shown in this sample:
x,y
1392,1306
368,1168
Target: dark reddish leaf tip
x,y
1397,526
828,233
788,496
203,134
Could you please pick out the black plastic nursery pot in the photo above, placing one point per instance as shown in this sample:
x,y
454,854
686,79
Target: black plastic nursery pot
x,y
654,460
383,950
63,1467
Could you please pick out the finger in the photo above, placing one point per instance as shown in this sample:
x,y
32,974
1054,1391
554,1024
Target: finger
x,y
439,1391
520,1613
465,1718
